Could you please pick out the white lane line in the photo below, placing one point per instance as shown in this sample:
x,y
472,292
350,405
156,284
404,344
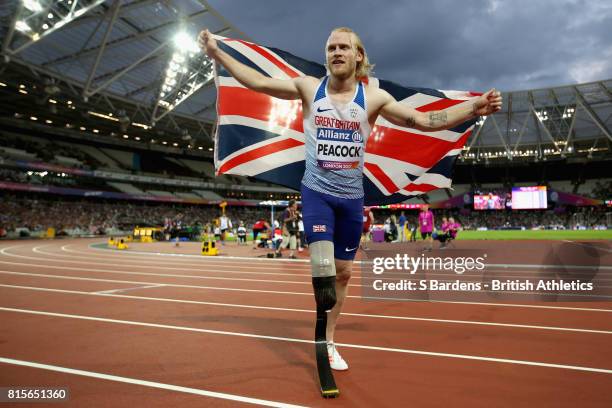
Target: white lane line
x,y
4,252
120,290
237,258
112,293
172,285
221,268
276,262
265,281
296,264
218,270
205,261
306,271
531,268
151,384
249,259
599,248
167,275
139,263
294,340
276,292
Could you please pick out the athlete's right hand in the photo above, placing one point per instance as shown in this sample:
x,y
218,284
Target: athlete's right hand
x,y
207,43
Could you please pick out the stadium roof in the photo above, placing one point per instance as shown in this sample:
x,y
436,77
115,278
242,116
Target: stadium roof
x,y
126,59
561,120
108,53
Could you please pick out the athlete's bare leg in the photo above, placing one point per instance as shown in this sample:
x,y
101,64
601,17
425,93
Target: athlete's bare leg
x,y
343,274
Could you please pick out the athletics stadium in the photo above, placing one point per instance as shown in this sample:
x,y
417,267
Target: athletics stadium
x,y
125,279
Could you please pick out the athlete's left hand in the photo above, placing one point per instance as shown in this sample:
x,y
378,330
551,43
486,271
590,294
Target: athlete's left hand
x,y
488,103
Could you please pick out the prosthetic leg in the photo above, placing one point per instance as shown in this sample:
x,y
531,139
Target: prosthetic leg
x,y
324,285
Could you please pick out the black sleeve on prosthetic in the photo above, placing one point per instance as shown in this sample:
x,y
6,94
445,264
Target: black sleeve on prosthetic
x,y
325,296
325,292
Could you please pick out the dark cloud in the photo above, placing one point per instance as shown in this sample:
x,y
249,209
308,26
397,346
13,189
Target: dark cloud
x,y
471,44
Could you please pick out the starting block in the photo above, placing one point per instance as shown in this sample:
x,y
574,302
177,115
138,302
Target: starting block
x,y
209,248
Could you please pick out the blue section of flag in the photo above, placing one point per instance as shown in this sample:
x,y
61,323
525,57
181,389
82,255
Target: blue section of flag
x,y
289,175
236,137
240,58
444,166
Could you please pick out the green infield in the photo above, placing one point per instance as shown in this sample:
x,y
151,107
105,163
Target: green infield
x,y
538,234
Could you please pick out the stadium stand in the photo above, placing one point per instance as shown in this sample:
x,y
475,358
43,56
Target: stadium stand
x,y
199,167
124,158
126,188
68,161
17,154
107,161
188,196
161,193
565,186
208,195
209,169
588,187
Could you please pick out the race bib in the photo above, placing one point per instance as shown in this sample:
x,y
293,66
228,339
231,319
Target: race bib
x,y
339,148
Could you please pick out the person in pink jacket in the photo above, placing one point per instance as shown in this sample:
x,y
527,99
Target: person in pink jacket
x,y
426,223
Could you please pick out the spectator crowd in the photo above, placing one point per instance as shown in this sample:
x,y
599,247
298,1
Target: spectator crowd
x,y
26,214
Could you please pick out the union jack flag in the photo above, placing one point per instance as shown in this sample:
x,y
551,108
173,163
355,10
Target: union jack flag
x,y
262,137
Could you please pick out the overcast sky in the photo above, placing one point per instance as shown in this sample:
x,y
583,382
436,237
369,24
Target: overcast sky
x,y
446,44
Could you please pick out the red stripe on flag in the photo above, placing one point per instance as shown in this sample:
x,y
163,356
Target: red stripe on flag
x,y
423,151
251,104
381,176
259,153
440,104
420,187
264,53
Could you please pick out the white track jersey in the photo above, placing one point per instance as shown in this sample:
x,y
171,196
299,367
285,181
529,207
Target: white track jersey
x,y
336,136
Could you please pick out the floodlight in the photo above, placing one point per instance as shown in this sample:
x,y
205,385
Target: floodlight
x,y
32,5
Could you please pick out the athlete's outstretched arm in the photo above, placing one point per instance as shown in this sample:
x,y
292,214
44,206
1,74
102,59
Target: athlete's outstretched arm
x,y
247,76
402,115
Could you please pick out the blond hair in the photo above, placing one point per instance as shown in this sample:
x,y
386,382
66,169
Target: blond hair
x,y
364,67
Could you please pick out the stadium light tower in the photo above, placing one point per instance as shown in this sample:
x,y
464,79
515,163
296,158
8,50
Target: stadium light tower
x,y
35,19
188,70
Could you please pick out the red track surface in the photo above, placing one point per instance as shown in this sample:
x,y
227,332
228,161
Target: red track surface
x,y
202,323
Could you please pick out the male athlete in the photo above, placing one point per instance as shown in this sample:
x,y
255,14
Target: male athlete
x,y
339,111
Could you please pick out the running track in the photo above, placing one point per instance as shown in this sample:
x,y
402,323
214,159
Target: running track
x,y
132,329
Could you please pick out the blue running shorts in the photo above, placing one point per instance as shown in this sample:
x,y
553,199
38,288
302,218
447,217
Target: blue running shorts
x,y
331,218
